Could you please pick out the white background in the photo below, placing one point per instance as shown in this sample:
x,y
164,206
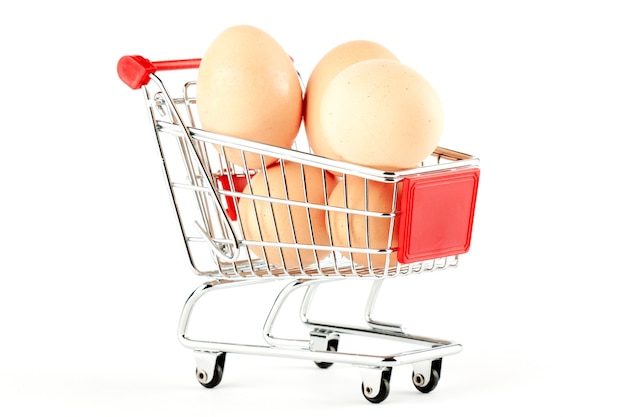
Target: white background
x,y
93,274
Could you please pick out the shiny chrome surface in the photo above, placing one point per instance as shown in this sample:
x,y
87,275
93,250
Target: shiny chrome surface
x,y
202,189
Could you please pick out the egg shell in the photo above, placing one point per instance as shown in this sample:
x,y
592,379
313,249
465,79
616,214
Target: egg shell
x,y
272,222
365,231
248,88
382,114
324,71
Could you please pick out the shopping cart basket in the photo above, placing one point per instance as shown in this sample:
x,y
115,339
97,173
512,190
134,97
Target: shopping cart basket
x,y
425,227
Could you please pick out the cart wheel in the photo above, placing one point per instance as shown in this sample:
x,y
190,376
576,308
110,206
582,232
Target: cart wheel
x,y
370,393
202,375
435,374
333,345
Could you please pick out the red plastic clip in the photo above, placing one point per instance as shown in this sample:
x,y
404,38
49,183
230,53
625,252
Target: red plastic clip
x,y
240,181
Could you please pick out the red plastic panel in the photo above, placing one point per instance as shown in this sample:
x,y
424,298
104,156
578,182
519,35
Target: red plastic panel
x,y
437,214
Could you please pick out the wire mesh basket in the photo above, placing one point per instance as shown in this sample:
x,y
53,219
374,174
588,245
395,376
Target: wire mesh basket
x,y
280,220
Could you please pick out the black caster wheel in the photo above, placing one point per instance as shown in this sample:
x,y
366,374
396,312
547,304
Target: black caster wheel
x,y
384,388
427,386
212,379
333,345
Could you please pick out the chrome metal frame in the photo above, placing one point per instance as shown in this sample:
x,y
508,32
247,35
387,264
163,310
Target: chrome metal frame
x,y
231,264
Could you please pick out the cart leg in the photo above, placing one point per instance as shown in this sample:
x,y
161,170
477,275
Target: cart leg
x,y
268,331
369,309
190,303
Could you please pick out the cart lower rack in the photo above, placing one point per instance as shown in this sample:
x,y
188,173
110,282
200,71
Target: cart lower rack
x,y
243,227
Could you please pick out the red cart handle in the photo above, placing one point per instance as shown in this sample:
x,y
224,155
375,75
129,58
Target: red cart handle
x,y
135,70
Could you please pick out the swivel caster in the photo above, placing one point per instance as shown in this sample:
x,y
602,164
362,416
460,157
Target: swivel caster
x,y
210,368
324,341
376,384
426,378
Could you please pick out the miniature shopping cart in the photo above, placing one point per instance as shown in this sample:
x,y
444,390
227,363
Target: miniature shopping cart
x,y
429,224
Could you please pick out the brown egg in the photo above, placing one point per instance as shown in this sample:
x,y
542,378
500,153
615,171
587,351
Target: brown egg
x,y
361,231
248,87
272,222
330,65
382,114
